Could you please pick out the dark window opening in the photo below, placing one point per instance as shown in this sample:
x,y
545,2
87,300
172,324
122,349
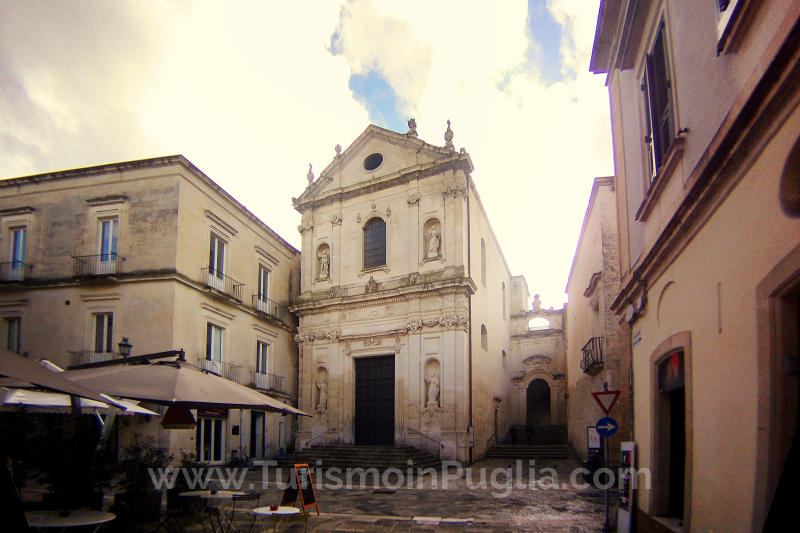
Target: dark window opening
x,y
373,161
374,243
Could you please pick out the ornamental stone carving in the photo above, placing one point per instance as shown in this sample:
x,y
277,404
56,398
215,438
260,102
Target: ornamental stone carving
x,y
336,219
333,335
304,228
412,278
347,349
414,325
398,345
372,286
373,341
412,127
413,199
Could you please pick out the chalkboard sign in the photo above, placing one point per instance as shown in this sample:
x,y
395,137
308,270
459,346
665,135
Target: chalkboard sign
x,y
300,482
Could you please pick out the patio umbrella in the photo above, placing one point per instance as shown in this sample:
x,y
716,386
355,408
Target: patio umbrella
x,y
176,382
19,370
53,401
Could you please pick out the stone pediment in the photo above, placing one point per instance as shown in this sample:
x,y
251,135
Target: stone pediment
x,y
537,360
352,169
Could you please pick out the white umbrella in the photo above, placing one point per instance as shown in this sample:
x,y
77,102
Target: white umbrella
x,y
53,401
176,382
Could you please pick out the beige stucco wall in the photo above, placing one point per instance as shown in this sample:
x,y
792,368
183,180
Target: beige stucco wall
x,y
724,366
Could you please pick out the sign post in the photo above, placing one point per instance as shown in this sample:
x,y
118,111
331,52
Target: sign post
x,y
606,427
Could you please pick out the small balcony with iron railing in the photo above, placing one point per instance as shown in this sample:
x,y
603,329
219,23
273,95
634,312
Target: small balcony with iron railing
x,y
268,382
221,283
86,357
15,271
268,307
592,362
96,265
221,368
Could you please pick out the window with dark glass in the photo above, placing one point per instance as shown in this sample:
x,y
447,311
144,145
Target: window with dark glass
x,y
14,334
374,243
216,257
657,87
262,357
213,342
104,332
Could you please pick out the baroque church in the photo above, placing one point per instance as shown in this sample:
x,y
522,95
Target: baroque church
x,y
412,329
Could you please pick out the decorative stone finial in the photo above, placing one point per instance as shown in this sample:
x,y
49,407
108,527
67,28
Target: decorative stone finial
x,y
310,175
412,127
338,150
448,137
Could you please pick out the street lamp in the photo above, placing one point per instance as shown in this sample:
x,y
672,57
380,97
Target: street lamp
x,y
125,347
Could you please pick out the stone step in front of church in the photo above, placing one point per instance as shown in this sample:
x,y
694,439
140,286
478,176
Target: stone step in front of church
x,y
536,451
353,456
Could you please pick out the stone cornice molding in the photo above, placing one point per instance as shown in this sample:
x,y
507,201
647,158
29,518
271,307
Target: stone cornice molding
x,y
372,339
361,301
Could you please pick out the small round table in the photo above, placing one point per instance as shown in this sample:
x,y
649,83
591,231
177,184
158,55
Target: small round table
x,y
281,514
63,519
206,512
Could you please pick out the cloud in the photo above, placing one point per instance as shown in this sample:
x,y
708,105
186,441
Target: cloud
x,y
252,91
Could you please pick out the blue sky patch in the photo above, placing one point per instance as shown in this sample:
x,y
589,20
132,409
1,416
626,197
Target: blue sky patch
x,y
379,98
546,32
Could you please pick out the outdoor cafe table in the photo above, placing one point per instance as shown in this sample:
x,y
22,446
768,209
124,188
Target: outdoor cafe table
x,y
66,519
281,514
207,496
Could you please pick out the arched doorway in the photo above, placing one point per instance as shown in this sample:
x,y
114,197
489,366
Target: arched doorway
x,y
538,403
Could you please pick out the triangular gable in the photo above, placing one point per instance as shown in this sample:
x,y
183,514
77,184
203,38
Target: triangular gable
x,y
399,152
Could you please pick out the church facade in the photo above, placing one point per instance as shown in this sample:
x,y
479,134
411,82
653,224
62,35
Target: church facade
x,y
405,305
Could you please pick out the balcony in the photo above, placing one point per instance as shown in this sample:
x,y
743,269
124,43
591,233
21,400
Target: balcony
x,y
268,307
268,382
86,357
15,271
222,283
96,265
221,368
592,362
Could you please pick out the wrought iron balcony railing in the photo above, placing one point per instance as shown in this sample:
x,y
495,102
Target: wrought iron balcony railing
x,y
268,382
15,271
268,307
86,356
222,283
221,368
96,265
592,362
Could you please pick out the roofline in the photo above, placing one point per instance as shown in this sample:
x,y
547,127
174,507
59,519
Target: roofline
x,y
596,184
176,159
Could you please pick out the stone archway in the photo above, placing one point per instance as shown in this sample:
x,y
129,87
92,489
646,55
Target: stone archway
x,y
538,403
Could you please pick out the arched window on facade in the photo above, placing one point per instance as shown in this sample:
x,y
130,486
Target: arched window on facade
x,y
484,338
374,243
483,262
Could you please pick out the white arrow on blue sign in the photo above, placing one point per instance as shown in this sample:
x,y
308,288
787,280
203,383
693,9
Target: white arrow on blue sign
x,y
606,426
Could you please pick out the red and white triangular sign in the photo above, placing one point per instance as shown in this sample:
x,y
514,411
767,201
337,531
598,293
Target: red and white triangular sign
x,y
606,399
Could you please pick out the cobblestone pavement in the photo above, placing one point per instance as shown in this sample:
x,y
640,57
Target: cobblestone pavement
x,y
535,506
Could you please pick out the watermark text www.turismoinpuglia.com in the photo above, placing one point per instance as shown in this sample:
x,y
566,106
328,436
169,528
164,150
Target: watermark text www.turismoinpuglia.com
x,y
451,474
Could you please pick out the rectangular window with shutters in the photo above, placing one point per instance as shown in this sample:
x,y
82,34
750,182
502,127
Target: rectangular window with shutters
x,y
658,103
262,357
103,332
14,334
213,342
216,257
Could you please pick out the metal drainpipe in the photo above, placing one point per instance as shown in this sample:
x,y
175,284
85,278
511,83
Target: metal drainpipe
x,y
469,332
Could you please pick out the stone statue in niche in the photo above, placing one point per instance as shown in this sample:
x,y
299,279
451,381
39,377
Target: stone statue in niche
x,y
432,382
324,262
322,395
434,239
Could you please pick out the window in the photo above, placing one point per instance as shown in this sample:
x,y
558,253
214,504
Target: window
x,y
19,245
216,257
374,243
14,334
262,357
103,332
657,88
263,283
484,338
210,441
107,239
213,342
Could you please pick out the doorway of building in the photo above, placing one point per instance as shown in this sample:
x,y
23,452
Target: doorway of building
x,y
671,428
538,403
210,439
374,413
258,435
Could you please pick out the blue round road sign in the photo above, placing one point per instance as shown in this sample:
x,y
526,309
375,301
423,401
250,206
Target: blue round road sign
x,y
606,426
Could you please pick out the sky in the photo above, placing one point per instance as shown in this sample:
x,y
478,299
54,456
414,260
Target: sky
x,y
253,91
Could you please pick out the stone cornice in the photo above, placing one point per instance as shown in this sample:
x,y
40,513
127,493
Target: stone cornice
x,y
463,286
